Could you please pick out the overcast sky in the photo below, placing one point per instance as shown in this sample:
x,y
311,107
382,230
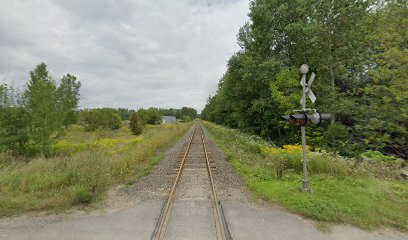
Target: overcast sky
x,y
128,53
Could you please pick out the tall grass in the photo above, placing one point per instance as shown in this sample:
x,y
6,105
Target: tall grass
x,y
344,190
84,166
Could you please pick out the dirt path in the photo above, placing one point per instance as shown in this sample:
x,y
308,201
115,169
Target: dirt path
x,y
132,213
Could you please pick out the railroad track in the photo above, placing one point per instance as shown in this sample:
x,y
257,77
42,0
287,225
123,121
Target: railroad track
x,y
219,223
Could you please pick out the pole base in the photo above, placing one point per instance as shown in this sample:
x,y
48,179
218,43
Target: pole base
x,y
305,187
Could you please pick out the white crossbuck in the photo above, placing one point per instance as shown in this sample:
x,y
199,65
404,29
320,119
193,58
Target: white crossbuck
x,y
308,91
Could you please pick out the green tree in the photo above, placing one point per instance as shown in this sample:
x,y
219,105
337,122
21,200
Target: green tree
x,y
68,95
383,124
14,130
136,125
125,114
3,95
92,119
149,116
42,104
168,112
14,122
188,112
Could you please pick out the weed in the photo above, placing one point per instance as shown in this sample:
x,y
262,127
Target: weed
x,y
82,195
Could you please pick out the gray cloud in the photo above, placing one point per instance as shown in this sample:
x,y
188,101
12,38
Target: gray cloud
x,y
126,53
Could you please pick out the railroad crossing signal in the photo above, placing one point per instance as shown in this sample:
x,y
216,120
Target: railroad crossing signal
x,y
300,119
303,117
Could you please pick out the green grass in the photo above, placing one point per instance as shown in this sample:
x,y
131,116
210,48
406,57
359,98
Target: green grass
x,y
144,169
85,165
341,194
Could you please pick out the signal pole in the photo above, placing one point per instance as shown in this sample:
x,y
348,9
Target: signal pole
x,y
302,119
304,69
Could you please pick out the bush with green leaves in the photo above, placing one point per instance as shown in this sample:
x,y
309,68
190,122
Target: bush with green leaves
x,y
150,116
14,135
135,124
92,119
186,119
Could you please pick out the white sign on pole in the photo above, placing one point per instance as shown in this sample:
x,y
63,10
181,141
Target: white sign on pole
x,y
308,91
311,95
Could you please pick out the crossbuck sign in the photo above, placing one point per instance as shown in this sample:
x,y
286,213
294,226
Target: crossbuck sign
x,y
307,86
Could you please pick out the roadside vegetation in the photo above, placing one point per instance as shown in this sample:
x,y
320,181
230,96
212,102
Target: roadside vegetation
x,y
367,192
84,164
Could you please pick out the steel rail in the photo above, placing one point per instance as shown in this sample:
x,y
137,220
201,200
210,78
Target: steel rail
x,y
222,232
164,218
218,216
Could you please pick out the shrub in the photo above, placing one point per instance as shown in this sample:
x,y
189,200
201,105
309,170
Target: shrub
x,y
290,157
186,118
135,124
100,118
378,156
82,195
338,139
149,116
379,165
14,129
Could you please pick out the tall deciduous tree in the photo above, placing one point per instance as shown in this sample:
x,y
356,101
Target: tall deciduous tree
x,y
43,107
68,97
383,124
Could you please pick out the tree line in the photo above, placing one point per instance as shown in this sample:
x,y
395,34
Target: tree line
x,y
111,117
184,113
359,52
